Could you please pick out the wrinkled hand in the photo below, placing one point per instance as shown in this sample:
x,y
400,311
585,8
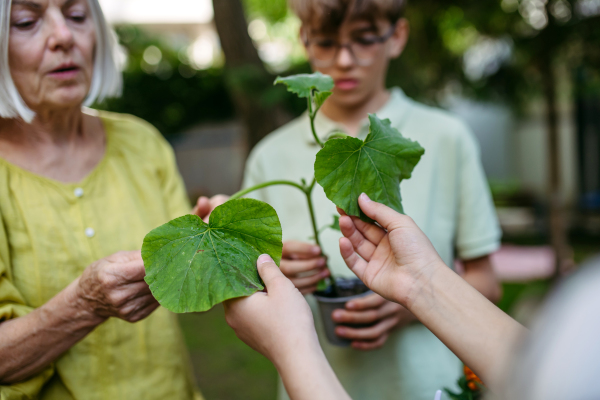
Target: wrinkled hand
x,y
114,287
389,260
373,309
304,265
276,323
204,205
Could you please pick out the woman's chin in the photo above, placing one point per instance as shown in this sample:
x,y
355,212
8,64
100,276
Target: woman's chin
x,y
65,100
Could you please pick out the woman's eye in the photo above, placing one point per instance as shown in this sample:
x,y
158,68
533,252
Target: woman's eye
x,y
78,17
24,23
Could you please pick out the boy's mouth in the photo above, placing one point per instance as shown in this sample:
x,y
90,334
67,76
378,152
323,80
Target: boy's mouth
x,y
346,84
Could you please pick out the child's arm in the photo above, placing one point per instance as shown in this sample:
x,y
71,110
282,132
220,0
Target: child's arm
x,y
279,324
401,264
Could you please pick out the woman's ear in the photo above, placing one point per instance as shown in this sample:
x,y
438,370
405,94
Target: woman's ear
x,y
399,39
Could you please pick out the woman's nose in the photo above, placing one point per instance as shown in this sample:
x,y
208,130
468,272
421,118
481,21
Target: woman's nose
x,y
60,35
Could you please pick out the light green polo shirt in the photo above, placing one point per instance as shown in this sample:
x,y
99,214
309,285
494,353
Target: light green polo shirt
x,y
447,196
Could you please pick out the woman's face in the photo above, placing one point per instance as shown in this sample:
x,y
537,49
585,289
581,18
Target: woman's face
x,y
51,52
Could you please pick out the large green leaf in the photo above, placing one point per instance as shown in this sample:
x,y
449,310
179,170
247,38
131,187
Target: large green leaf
x,y
304,84
347,167
192,265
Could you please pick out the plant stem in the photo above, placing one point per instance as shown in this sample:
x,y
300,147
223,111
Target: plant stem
x,y
264,185
308,193
312,114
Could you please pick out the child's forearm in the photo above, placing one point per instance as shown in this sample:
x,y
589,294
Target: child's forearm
x,y
307,375
477,331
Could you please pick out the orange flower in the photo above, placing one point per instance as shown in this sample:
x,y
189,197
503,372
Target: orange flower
x,y
473,381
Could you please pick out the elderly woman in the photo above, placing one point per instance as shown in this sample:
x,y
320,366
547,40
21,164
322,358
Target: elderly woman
x,y
78,192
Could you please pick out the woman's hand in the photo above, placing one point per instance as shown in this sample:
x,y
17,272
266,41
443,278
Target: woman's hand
x,y
114,287
277,322
387,260
304,265
204,205
374,309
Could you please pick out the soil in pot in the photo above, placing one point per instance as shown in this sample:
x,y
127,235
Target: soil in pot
x,y
330,300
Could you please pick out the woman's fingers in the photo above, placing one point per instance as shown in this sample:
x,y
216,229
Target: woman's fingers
x,y
134,306
370,333
295,250
143,312
352,260
385,216
291,268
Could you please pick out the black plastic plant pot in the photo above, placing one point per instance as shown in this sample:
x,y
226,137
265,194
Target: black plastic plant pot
x,y
348,289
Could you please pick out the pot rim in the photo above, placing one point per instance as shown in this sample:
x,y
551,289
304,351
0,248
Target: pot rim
x,y
324,299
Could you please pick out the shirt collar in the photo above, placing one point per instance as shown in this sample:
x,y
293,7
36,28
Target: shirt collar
x,y
395,109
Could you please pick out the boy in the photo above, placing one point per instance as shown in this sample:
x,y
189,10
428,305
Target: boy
x,y
447,196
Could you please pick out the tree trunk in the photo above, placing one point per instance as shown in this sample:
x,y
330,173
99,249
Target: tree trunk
x,y
558,229
247,77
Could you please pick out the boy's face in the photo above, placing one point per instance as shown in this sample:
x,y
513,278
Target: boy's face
x,y
359,65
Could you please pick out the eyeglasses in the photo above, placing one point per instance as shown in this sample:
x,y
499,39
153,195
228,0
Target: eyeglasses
x,y
323,51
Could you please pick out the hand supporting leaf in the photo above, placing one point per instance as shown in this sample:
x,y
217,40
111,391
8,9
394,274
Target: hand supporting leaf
x,y
191,265
347,167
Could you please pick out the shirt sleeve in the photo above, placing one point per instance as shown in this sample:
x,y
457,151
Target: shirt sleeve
x,y
478,231
12,305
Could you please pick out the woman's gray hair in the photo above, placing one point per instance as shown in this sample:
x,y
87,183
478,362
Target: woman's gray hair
x,y
107,80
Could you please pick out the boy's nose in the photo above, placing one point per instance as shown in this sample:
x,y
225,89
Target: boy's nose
x,y
345,58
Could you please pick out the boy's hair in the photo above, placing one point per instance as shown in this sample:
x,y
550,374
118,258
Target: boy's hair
x,y
328,15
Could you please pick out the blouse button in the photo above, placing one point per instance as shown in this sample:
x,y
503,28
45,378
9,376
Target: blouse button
x,y
78,192
90,232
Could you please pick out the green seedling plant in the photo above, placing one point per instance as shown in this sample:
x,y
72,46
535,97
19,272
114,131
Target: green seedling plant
x,y
192,265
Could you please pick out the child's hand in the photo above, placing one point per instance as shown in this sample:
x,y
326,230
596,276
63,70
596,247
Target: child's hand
x,y
393,258
304,265
374,309
277,323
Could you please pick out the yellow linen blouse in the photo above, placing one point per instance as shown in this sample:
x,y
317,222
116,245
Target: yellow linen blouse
x,y
51,231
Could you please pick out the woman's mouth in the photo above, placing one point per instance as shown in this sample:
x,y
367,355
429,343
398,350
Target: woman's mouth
x,y
346,84
65,72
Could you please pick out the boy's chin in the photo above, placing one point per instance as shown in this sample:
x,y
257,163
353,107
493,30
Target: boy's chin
x,y
349,98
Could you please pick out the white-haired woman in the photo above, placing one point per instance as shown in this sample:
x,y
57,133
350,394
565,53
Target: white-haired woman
x,y
78,192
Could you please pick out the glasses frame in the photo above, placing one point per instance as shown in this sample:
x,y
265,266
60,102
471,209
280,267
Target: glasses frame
x,y
339,46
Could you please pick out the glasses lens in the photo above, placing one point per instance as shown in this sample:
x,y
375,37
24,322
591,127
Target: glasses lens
x,y
365,48
323,49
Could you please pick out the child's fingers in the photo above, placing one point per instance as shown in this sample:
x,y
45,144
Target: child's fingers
x,y
372,232
352,260
361,245
296,250
365,303
269,271
385,216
